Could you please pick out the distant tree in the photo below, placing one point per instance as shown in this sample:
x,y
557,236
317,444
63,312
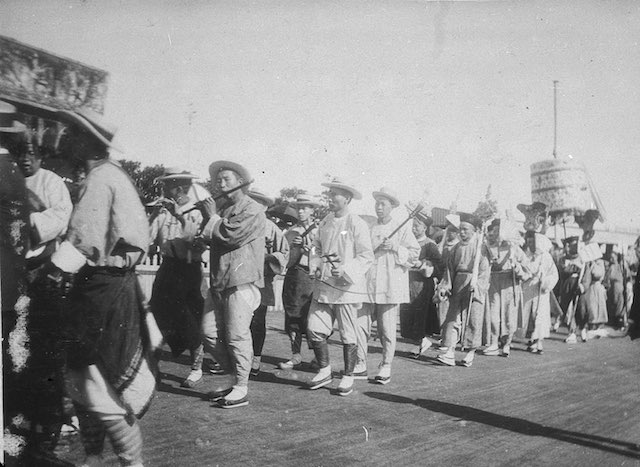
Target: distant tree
x,y
144,178
487,208
289,194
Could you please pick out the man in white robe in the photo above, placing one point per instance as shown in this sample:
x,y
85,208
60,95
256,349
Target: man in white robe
x,y
340,257
387,282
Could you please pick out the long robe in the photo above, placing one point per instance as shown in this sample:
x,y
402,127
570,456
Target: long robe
x,y
592,305
387,279
536,310
420,317
508,263
347,237
614,283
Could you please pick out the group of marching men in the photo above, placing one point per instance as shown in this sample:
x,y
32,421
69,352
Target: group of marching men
x,y
68,278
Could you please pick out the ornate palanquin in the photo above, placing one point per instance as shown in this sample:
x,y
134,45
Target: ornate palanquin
x,y
34,77
39,84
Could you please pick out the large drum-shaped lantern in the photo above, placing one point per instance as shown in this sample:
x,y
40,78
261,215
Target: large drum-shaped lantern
x,y
563,185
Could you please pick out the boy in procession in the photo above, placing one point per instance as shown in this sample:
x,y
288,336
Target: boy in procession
x,y
298,286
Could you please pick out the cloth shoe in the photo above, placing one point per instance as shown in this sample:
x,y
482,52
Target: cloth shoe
x,y
467,361
491,351
584,335
322,378
384,375
447,358
571,339
236,398
360,371
506,350
215,396
346,385
193,379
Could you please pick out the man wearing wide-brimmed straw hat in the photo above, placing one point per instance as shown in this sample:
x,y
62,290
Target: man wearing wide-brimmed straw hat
x,y
275,262
341,255
387,282
108,235
176,299
235,231
298,286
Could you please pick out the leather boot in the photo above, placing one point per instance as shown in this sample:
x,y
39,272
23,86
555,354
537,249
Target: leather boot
x,y
321,351
350,353
323,377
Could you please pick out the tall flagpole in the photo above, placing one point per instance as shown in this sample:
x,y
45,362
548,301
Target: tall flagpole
x,y
555,118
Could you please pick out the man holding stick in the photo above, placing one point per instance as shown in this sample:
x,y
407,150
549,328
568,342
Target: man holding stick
x,y
341,255
395,251
466,282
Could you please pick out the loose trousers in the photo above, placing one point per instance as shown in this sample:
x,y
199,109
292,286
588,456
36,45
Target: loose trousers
x,y
387,317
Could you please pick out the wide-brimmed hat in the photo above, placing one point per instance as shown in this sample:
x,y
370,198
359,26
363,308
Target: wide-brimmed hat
x,y
93,123
176,173
343,185
8,122
284,212
388,193
261,197
217,166
305,200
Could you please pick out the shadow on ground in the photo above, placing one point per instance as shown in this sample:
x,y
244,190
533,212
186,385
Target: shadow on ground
x,y
517,425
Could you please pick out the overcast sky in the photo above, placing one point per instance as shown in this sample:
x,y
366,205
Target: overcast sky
x,y
446,97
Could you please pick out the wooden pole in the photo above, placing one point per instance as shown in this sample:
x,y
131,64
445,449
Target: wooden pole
x,y
555,118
